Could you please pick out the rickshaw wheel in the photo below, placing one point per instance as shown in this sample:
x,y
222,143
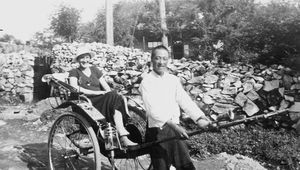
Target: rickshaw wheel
x,y
137,128
73,144
142,162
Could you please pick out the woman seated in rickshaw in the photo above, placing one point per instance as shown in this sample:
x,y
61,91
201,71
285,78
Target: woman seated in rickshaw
x,y
90,81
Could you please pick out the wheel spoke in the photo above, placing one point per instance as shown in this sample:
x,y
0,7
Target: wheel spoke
x,y
137,126
63,153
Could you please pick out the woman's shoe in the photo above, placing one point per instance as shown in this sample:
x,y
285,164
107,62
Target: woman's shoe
x,y
83,143
126,142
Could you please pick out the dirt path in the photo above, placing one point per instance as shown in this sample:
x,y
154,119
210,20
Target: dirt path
x,y
23,146
23,143
18,138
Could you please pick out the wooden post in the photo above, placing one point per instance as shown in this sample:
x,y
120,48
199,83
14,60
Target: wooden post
x,y
144,43
109,22
163,23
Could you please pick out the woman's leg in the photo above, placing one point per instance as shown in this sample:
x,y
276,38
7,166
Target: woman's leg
x,y
114,108
118,119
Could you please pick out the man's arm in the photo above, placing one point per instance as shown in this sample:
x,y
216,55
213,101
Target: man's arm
x,y
190,107
180,130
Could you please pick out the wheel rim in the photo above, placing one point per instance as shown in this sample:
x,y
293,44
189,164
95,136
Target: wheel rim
x,y
138,163
64,152
142,162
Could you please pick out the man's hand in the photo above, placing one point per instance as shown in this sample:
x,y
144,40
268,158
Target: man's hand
x,y
180,130
203,122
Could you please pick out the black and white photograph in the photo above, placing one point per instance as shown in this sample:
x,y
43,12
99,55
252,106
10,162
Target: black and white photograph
x,y
149,84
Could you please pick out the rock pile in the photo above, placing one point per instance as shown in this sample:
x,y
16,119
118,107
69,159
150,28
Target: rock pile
x,y
16,75
235,162
109,58
123,66
242,89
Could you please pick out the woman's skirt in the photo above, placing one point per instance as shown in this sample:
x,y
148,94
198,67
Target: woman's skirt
x,y
108,103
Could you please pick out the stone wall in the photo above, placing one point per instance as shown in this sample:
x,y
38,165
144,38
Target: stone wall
x,y
17,75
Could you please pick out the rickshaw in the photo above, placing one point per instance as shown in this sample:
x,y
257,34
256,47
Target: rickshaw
x,y
82,122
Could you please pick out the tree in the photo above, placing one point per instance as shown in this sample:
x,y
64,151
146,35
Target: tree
x,y
10,39
89,32
125,21
45,39
125,24
204,23
93,31
148,24
245,30
274,32
65,23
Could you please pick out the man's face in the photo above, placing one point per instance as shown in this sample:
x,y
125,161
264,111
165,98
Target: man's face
x,y
84,60
160,61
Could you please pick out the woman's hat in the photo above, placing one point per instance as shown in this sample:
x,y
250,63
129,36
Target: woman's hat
x,y
81,51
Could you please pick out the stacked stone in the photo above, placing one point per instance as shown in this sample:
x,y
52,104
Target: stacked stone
x,y
240,89
123,66
17,74
243,89
109,58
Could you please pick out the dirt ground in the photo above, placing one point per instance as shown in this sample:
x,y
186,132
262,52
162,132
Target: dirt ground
x,y
24,133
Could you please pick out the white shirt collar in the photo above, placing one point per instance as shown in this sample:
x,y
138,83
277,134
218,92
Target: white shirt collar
x,y
159,76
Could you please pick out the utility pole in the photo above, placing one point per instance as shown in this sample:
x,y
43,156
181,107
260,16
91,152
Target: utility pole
x,y
163,23
109,22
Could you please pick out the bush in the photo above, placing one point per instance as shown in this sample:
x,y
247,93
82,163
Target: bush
x,y
276,148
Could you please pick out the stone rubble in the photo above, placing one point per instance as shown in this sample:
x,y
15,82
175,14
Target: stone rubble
x,y
239,162
243,89
17,74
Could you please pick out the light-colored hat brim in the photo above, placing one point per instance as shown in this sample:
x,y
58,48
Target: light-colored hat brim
x,y
75,59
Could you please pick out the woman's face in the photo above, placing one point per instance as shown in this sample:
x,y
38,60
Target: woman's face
x,y
84,60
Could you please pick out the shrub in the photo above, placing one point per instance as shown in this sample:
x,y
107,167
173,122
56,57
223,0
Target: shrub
x,y
276,148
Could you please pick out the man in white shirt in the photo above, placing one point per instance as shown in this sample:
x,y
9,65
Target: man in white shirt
x,y
163,96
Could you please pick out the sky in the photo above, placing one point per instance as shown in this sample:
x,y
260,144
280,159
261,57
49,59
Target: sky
x,y
22,18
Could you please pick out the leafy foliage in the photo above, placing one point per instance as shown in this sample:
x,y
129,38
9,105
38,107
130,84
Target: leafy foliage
x,y
273,33
226,30
277,148
45,40
10,39
149,22
65,22
248,31
93,31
